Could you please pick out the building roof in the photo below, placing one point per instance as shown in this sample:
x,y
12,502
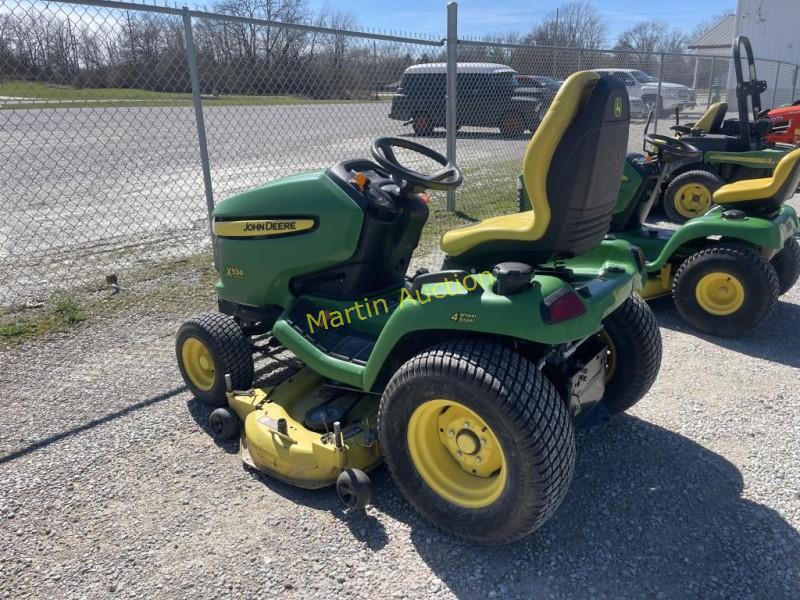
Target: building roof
x,y
719,36
490,68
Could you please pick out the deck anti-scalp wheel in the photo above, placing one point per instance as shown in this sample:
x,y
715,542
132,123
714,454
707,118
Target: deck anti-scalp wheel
x,y
690,195
223,424
477,440
634,353
208,346
725,290
787,265
354,489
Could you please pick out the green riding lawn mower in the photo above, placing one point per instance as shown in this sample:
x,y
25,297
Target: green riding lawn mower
x,y
732,149
469,381
726,268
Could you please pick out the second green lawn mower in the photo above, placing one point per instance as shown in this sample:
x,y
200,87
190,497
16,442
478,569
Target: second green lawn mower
x,y
725,269
732,149
466,381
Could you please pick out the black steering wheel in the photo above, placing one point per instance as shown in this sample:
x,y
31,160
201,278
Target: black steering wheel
x,y
447,178
672,146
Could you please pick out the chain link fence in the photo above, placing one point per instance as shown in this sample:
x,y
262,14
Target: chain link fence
x,y
122,124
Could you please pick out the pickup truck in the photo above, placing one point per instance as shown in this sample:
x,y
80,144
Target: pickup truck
x,y
645,87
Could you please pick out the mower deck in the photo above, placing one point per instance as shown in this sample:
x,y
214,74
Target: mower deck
x,y
305,432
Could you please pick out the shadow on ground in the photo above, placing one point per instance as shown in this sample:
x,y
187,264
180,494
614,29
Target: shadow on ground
x,y
767,342
648,510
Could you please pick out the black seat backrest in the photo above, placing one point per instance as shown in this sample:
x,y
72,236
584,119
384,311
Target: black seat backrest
x,y
585,171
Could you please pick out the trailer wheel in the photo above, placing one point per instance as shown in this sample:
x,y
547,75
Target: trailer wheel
x,y
477,440
422,124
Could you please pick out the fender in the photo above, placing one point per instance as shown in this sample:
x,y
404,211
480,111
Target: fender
x,y
755,231
519,315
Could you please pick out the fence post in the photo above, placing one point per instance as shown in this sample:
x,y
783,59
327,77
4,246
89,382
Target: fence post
x,y
711,81
794,83
658,90
191,59
452,87
775,87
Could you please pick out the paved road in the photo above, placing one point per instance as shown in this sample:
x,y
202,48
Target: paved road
x,y
89,191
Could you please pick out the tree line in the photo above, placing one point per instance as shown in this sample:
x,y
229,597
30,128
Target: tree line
x,y
147,50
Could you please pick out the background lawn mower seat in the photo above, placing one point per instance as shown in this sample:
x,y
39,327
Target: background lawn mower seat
x,y
571,173
765,194
711,121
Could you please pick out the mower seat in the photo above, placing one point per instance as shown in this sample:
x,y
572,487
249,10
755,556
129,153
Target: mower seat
x,y
571,172
711,121
767,193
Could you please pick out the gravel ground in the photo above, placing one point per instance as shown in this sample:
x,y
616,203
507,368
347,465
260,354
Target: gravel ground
x,y
111,487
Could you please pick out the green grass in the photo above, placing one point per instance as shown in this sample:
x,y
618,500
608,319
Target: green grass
x,y
60,96
67,310
61,314
169,285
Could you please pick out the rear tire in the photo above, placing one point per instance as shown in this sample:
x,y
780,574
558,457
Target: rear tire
x,y
787,265
634,358
207,347
690,195
725,290
500,408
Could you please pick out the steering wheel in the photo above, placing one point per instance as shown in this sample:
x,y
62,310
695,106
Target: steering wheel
x,y
682,129
447,178
672,146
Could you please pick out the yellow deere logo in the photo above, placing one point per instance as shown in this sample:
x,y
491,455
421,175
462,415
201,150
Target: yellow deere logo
x,y
262,227
617,107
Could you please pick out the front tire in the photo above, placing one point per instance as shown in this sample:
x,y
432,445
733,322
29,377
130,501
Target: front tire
x,y
207,347
725,290
690,195
634,354
477,440
787,265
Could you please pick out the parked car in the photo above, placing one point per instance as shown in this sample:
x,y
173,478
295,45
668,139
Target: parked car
x,y
539,81
645,87
486,96
538,86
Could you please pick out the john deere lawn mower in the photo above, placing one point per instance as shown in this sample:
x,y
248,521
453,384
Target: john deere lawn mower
x,y
731,149
467,381
725,269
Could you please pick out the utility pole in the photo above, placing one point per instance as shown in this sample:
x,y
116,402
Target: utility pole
x,y
553,52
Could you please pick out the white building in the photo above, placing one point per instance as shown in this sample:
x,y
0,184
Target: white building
x,y
772,26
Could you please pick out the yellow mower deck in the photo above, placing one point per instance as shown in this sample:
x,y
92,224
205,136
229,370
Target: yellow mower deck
x,y
275,440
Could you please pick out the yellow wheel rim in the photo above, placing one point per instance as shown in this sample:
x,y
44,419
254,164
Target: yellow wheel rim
x,y
456,453
611,356
719,293
692,199
198,364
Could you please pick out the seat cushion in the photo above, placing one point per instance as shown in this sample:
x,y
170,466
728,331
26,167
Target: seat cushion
x,y
570,172
775,190
513,227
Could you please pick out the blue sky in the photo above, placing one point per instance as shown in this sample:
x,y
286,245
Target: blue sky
x,y
477,17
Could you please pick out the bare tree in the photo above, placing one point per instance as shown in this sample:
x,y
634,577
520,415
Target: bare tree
x,y
574,24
